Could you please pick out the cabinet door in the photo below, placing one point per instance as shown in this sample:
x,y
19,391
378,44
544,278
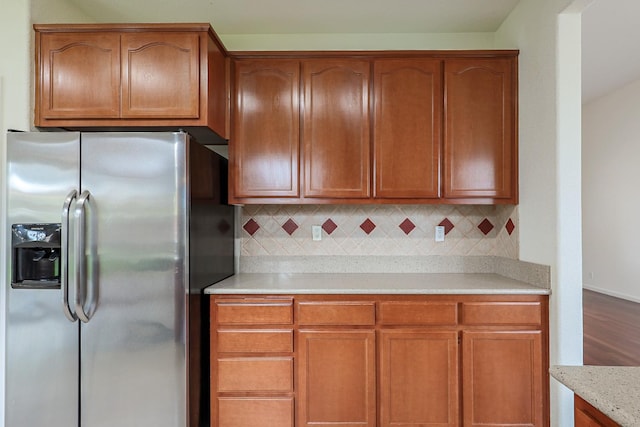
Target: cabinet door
x,y
79,75
264,152
160,75
407,124
336,379
480,129
502,378
419,379
336,128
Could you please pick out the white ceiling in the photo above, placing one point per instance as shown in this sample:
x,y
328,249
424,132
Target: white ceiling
x,y
610,27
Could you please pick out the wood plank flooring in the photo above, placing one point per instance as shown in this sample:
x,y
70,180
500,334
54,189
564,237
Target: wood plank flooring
x,y
611,330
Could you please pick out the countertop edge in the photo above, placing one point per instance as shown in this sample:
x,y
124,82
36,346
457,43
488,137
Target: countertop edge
x,y
596,393
374,284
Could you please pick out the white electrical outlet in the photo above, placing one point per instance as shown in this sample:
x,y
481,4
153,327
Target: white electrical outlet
x,y
439,233
316,233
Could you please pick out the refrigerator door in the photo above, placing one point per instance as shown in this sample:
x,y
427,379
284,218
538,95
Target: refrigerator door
x,y
42,344
133,349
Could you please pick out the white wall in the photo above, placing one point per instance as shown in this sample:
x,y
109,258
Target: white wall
x,y
611,202
549,42
16,112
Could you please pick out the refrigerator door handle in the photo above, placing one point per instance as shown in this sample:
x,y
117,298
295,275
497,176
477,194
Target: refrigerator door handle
x,y
82,284
64,268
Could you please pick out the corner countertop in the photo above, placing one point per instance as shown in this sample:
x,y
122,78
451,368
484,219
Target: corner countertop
x,y
378,283
613,390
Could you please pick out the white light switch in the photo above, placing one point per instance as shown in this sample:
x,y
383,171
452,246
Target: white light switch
x,y
439,233
316,232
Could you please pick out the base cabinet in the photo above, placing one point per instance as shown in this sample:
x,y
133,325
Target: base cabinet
x,y
379,361
502,378
419,378
585,415
336,378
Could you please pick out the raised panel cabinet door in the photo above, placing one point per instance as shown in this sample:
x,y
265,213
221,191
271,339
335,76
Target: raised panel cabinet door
x,y
161,75
336,379
407,127
336,128
78,76
419,379
264,152
502,378
480,149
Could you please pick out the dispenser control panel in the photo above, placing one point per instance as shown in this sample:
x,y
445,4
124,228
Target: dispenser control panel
x,y
35,257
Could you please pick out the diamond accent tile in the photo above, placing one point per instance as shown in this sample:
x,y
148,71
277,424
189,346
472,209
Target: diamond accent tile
x,y
367,226
448,225
329,226
290,226
353,228
251,227
510,226
485,226
407,226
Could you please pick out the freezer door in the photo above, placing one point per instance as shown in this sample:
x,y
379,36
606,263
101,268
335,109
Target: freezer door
x,y
42,345
133,361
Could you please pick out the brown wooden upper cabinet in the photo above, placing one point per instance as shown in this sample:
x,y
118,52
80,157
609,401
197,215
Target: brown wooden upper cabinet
x,y
382,127
264,155
480,150
407,122
336,124
139,75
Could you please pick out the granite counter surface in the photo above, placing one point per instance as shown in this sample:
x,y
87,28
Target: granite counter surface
x,y
613,390
378,283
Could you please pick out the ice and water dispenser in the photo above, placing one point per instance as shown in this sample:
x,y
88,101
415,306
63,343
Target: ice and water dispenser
x,y
35,257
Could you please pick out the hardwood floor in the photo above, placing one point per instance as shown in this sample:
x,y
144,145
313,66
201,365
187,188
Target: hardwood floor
x,y
611,330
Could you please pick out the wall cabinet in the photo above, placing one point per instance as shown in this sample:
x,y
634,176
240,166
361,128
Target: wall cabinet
x,y
335,132
480,157
407,128
264,154
381,360
120,76
375,128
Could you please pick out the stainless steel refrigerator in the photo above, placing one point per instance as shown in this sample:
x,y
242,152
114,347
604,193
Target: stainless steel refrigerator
x,y
113,236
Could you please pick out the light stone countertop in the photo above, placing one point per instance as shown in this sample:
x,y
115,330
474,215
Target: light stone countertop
x,y
377,283
613,390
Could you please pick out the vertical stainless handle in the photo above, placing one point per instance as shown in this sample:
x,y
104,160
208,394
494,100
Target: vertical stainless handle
x,y
81,261
64,268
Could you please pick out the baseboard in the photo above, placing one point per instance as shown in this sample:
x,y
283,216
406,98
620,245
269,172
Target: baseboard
x,y
611,293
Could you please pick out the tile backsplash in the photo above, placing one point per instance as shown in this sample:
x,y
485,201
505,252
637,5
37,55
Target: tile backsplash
x,y
388,230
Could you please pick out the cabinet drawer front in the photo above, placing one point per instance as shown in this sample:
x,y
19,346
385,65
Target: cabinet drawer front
x,y
502,313
337,313
274,374
248,311
419,313
255,341
253,412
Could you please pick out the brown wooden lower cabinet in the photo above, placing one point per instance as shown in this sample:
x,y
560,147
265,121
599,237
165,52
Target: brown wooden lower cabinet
x,y
418,378
587,416
379,361
336,378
